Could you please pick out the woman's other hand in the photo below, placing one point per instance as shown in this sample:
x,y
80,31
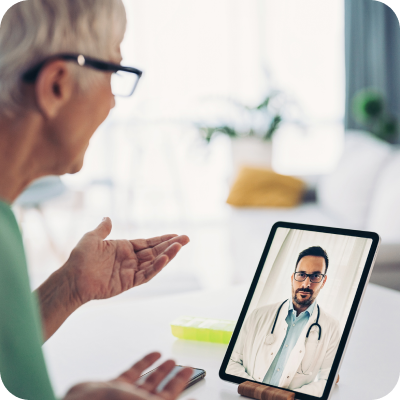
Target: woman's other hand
x,y
125,387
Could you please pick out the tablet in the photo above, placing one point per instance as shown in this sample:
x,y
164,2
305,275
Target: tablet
x,y
299,313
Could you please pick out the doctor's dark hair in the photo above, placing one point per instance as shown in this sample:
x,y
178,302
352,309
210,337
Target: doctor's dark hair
x,y
314,251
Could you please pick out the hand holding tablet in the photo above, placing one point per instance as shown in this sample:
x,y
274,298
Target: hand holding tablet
x,y
298,315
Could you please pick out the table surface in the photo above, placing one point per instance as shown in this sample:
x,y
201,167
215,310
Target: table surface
x,y
104,338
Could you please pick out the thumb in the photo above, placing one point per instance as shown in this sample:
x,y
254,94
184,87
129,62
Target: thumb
x,y
104,228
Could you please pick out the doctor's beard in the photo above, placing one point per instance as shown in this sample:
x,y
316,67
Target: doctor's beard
x,y
303,302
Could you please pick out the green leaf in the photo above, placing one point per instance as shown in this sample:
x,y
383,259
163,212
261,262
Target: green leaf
x,y
264,104
272,127
367,106
227,130
209,131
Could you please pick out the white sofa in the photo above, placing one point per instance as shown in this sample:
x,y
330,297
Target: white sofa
x,y
362,193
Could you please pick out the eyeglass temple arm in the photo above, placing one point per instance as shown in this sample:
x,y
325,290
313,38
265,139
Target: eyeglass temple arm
x,y
31,75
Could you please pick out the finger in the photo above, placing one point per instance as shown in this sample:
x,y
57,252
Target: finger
x,y
109,390
157,376
133,374
151,253
151,268
175,386
103,229
141,244
168,255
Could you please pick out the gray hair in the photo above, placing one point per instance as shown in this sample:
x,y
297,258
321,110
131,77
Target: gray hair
x,y
32,30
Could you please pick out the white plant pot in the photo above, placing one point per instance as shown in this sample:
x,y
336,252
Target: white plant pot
x,y
251,151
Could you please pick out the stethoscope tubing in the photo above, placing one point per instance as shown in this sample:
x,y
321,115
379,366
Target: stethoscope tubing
x,y
316,323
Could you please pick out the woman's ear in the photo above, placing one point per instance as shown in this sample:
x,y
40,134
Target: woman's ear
x,y
53,88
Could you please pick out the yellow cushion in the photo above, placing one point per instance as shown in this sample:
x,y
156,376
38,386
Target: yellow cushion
x,y
257,187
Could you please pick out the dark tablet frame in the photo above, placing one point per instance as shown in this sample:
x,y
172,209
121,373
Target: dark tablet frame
x,y
352,315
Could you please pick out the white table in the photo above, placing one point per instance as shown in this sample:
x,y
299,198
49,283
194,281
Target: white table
x,y
103,338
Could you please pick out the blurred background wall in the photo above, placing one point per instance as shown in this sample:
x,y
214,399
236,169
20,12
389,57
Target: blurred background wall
x,y
214,64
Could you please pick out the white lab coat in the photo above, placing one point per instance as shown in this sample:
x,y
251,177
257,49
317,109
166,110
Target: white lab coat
x,y
255,350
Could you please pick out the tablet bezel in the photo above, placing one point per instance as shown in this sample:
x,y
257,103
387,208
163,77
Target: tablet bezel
x,y
350,320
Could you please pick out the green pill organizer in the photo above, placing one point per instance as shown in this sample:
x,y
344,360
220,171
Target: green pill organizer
x,y
203,329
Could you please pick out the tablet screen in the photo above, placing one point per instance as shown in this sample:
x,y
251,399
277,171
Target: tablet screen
x,y
298,308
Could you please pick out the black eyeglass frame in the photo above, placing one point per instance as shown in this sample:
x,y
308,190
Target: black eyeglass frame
x,y
309,275
31,74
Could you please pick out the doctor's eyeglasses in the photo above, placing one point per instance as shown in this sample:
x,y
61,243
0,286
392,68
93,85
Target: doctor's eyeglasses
x,y
314,278
123,80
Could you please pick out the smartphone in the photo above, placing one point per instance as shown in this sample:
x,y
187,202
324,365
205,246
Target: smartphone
x,y
197,375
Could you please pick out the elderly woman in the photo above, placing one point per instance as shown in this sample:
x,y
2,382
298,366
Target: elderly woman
x,y
53,96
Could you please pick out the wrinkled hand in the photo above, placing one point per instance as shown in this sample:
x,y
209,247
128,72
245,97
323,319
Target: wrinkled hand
x,y
99,269
125,387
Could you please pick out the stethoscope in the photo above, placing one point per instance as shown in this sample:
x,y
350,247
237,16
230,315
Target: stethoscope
x,y
270,338
316,323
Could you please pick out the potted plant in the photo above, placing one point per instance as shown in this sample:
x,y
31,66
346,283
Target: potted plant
x,y
370,111
251,136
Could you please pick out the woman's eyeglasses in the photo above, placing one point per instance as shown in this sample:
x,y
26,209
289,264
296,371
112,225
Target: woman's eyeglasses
x,y
123,80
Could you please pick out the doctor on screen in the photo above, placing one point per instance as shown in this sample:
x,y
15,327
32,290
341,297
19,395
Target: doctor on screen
x,y
291,344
